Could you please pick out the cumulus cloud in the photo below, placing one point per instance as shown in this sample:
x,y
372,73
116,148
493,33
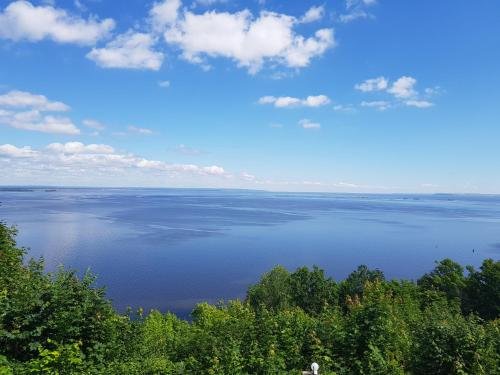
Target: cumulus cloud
x,y
288,101
373,84
403,87
164,13
33,121
21,20
402,90
80,148
8,150
132,50
249,41
27,111
309,125
75,157
23,99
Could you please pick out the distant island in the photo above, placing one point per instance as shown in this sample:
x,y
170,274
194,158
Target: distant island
x,y
445,323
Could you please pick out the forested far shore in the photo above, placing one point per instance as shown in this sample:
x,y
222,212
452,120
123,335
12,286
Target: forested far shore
x,y
447,322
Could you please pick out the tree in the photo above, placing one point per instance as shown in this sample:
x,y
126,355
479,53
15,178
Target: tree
x,y
312,291
354,285
482,291
273,290
447,277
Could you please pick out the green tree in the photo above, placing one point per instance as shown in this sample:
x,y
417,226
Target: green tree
x,y
446,342
447,277
354,285
483,290
312,291
272,291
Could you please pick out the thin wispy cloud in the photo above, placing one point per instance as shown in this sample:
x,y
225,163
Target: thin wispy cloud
x,y
309,125
186,150
164,84
290,102
357,9
138,130
94,124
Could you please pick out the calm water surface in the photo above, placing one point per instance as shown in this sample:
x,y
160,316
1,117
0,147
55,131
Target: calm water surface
x,y
171,248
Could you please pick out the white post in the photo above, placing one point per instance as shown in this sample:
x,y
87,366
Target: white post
x,y
315,368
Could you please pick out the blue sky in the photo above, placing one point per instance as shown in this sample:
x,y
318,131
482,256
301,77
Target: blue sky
x,y
356,95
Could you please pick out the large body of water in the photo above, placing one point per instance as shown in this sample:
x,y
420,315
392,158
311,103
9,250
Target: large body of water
x,y
170,248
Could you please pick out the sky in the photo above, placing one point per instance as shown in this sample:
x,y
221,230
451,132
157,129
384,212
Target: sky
x,y
379,96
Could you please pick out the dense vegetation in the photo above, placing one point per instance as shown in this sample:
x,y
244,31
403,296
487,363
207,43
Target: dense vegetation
x,y
446,323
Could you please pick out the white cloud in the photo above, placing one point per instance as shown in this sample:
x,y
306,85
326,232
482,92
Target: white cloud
x,y
26,111
288,101
80,148
164,13
419,103
355,3
309,125
135,129
73,157
315,13
381,105
9,150
247,176
373,84
21,20
433,91
34,121
132,50
356,9
403,90
245,39
208,3
164,84
403,87
349,17
23,99
344,108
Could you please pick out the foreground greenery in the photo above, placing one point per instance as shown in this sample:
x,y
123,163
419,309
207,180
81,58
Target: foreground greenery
x,y
446,323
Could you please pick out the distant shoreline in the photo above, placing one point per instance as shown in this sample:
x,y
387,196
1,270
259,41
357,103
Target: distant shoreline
x,y
26,188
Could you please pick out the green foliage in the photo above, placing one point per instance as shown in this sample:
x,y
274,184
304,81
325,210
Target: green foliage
x,y
447,323
312,291
483,290
273,291
446,342
354,285
447,277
